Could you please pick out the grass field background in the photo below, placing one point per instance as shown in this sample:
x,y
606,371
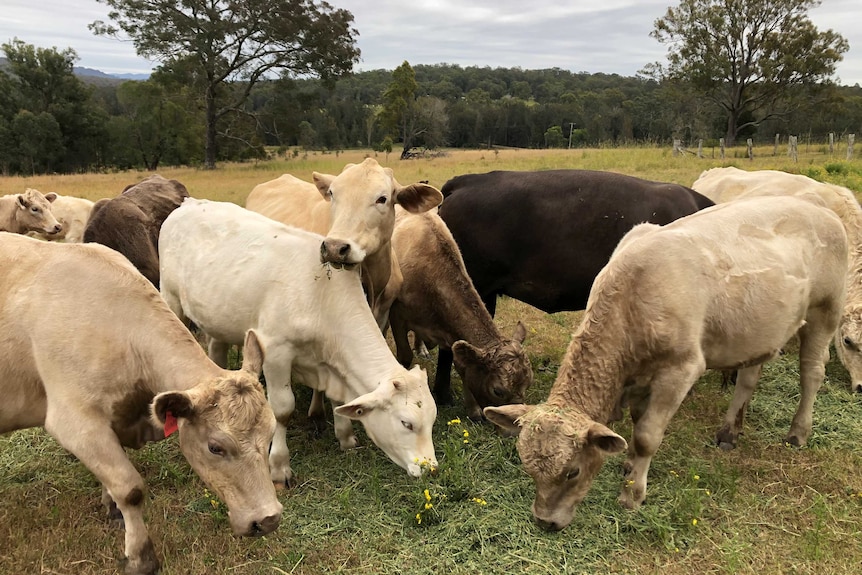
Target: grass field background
x,y
762,508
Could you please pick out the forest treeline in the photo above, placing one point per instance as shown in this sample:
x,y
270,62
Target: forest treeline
x,y
54,121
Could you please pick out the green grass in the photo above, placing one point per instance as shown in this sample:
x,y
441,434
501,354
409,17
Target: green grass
x,y
762,508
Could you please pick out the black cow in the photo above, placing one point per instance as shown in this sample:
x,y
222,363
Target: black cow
x,y
541,237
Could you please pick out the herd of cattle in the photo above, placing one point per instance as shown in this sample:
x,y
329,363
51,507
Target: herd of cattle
x,y
97,343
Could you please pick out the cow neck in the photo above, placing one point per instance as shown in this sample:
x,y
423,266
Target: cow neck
x,y
375,270
594,369
467,318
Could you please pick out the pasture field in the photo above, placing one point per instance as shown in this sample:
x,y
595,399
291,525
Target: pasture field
x,y
762,508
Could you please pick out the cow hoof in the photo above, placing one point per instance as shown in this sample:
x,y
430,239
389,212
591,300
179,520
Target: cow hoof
x,y
726,445
288,483
792,441
146,564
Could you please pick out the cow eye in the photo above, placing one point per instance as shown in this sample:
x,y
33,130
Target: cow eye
x,y
573,473
381,200
34,209
408,425
216,449
848,343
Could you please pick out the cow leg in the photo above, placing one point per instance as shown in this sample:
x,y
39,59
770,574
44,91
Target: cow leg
x,y
343,429
746,381
403,351
490,301
813,340
217,351
276,368
443,377
471,406
668,388
97,447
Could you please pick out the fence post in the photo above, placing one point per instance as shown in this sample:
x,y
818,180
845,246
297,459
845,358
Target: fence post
x,y
775,149
721,147
791,148
831,142
750,143
851,138
677,147
700,148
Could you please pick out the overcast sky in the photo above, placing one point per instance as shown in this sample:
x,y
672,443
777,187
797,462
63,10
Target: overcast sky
x,y
609,36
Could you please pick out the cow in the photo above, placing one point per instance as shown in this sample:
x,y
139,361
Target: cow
x,y
723,288
72,213
355,210
541,237
438,303
726,184
130,222
228,270
91,352
29,212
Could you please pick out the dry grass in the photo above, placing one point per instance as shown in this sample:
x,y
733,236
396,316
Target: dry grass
x,y
762,508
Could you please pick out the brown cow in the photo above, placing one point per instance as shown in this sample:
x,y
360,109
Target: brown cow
x,y
723,288
130,222
101,362
29,212
438,303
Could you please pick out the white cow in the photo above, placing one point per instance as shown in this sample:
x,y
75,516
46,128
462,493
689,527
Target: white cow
x,y
72,213
28,212
724,288
229,270
90,351
726,184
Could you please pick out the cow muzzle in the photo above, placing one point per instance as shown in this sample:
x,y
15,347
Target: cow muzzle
x,y
337,253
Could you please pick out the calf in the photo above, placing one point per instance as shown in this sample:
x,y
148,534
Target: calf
x,y
723,288
130,222
438,303
99,360
229,270
29,212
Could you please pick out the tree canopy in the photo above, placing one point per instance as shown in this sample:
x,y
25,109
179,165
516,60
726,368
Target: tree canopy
x,y
224,47
745,54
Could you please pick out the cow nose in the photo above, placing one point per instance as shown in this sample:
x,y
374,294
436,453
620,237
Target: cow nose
x,y
265,525
334,250
548,525
58,228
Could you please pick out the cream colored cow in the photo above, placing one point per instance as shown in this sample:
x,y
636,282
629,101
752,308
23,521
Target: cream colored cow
x,y
72,213
724,288
29,212
726,184
90,351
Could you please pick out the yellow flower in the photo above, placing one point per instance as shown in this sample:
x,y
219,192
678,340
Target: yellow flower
x,y
694,521
672,472
697,477
707,492
455,421
479,501
429,506
466,433
419,518
466,441
427,496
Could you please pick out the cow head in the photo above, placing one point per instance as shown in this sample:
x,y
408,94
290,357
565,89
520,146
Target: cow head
x,y
398,417
496,375
225,428
34,213
363,199
848,345
562,450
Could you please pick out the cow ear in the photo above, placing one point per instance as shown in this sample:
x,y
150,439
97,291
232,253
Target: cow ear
x,y
465,353
605,440
50,196
508,417
177,402
22,201
520,333
252,354
322,181
356,409
418,198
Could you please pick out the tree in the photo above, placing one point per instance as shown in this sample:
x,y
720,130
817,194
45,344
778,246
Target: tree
x,y
747,56
230,45
399,102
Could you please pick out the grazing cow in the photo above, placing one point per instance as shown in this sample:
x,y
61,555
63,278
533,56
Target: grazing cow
x,y
356,212
130,222
91,352
438,303
723,288
726,184
29,212
73,214
228,270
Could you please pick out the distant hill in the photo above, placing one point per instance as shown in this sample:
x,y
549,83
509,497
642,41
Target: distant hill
x,y
91,75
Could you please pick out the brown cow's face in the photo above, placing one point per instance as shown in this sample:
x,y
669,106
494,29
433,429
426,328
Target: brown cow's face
x,y
363,199
562,450
35,213
496,375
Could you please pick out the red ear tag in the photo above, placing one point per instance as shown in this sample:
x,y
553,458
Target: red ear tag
x,y
170,423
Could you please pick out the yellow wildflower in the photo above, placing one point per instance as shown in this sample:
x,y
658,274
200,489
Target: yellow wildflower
x,y
427,495
466,433
707,492
694,521
697,477
455,421
479,501
428,506
419,518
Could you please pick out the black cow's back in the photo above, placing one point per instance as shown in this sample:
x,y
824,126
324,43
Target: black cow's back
x,y
541,237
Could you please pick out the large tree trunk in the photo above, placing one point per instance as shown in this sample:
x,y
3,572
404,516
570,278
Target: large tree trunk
x,y
730,136
210,150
